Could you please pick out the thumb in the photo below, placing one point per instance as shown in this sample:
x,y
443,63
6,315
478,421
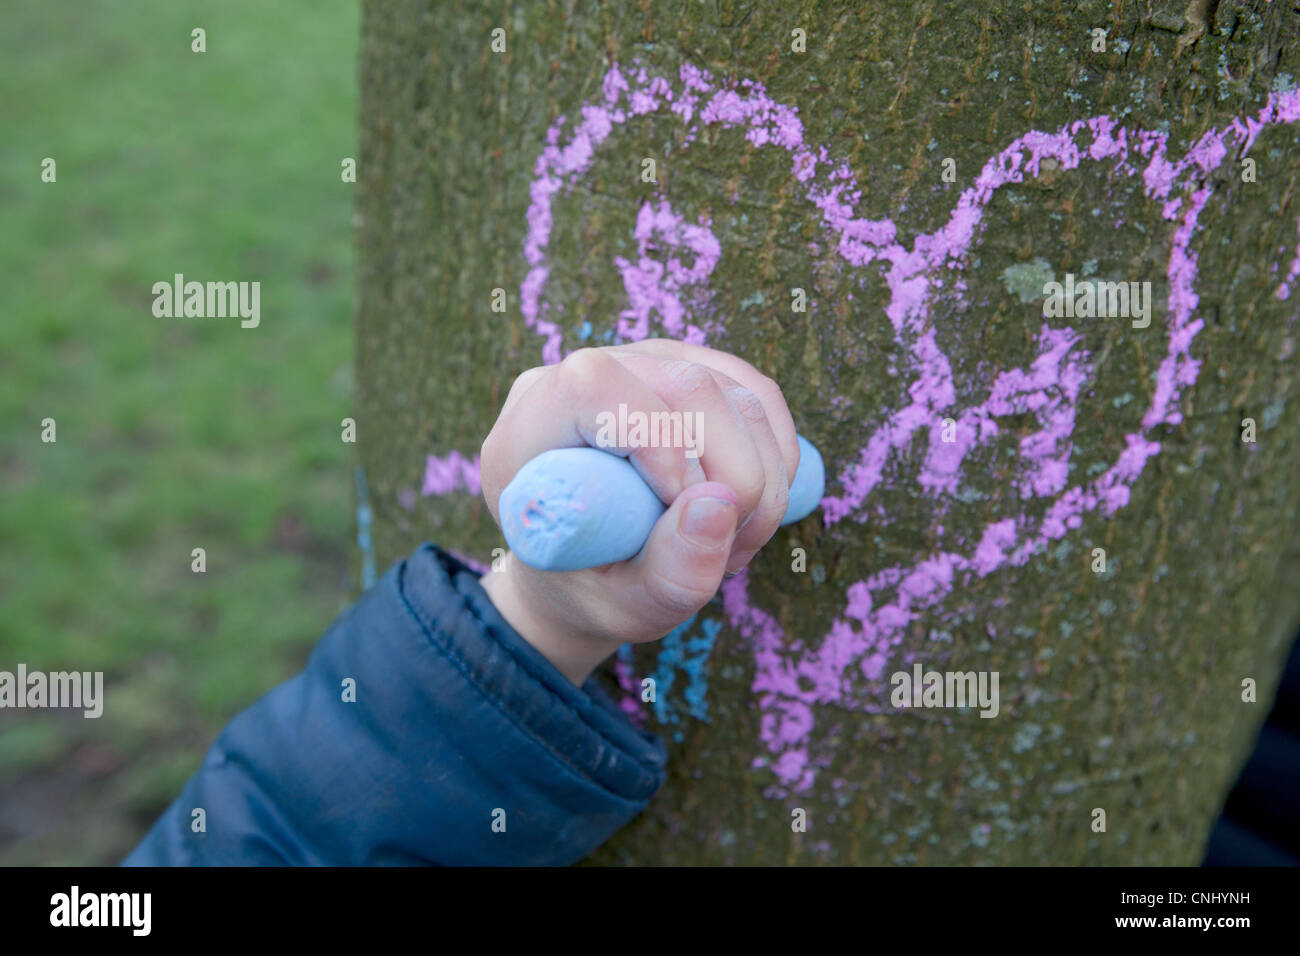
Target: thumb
x,y
684,560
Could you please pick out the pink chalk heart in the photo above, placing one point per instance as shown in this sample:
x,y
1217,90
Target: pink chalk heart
x,y
846,669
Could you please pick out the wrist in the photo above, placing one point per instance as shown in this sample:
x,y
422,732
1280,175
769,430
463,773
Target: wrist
x,y
571,652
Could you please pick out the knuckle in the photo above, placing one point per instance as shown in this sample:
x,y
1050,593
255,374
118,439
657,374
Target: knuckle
x,y
529,376
765,385
772,391
749,489
747,404
524,381
581,361
687,377
580,371
681,599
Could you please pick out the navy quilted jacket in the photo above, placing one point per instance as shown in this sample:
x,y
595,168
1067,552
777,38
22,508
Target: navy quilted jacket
x,y
463,746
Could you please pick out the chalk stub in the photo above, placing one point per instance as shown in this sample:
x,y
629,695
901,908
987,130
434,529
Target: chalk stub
x,y
574,508
809,485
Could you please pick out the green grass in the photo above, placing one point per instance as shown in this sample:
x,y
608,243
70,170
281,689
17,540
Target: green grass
x,y
172,433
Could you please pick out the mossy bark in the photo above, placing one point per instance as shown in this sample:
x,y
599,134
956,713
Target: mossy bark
x,y
1120,691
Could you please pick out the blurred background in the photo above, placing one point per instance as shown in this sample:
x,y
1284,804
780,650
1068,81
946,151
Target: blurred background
x,y
172,433
175,434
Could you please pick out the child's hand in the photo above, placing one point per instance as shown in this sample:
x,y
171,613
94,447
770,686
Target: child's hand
x,y
723,505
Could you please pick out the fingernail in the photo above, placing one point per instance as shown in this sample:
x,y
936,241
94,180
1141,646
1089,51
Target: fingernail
x,y
707,522
739,560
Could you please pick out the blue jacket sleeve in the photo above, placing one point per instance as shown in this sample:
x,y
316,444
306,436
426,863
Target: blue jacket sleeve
x,y
463,746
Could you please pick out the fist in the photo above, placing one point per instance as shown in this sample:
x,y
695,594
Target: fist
x,y
725,496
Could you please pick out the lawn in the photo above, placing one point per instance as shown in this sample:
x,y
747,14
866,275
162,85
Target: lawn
x,y
172,433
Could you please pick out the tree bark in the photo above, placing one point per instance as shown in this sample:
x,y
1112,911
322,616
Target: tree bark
x,y
978,451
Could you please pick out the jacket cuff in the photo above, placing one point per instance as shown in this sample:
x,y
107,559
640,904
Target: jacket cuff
x,y
578,726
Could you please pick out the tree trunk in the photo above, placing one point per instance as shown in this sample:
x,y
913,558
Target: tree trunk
x,y
871,212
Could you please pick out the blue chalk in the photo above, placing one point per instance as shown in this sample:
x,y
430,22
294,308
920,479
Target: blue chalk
x,y
809,484
574,508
